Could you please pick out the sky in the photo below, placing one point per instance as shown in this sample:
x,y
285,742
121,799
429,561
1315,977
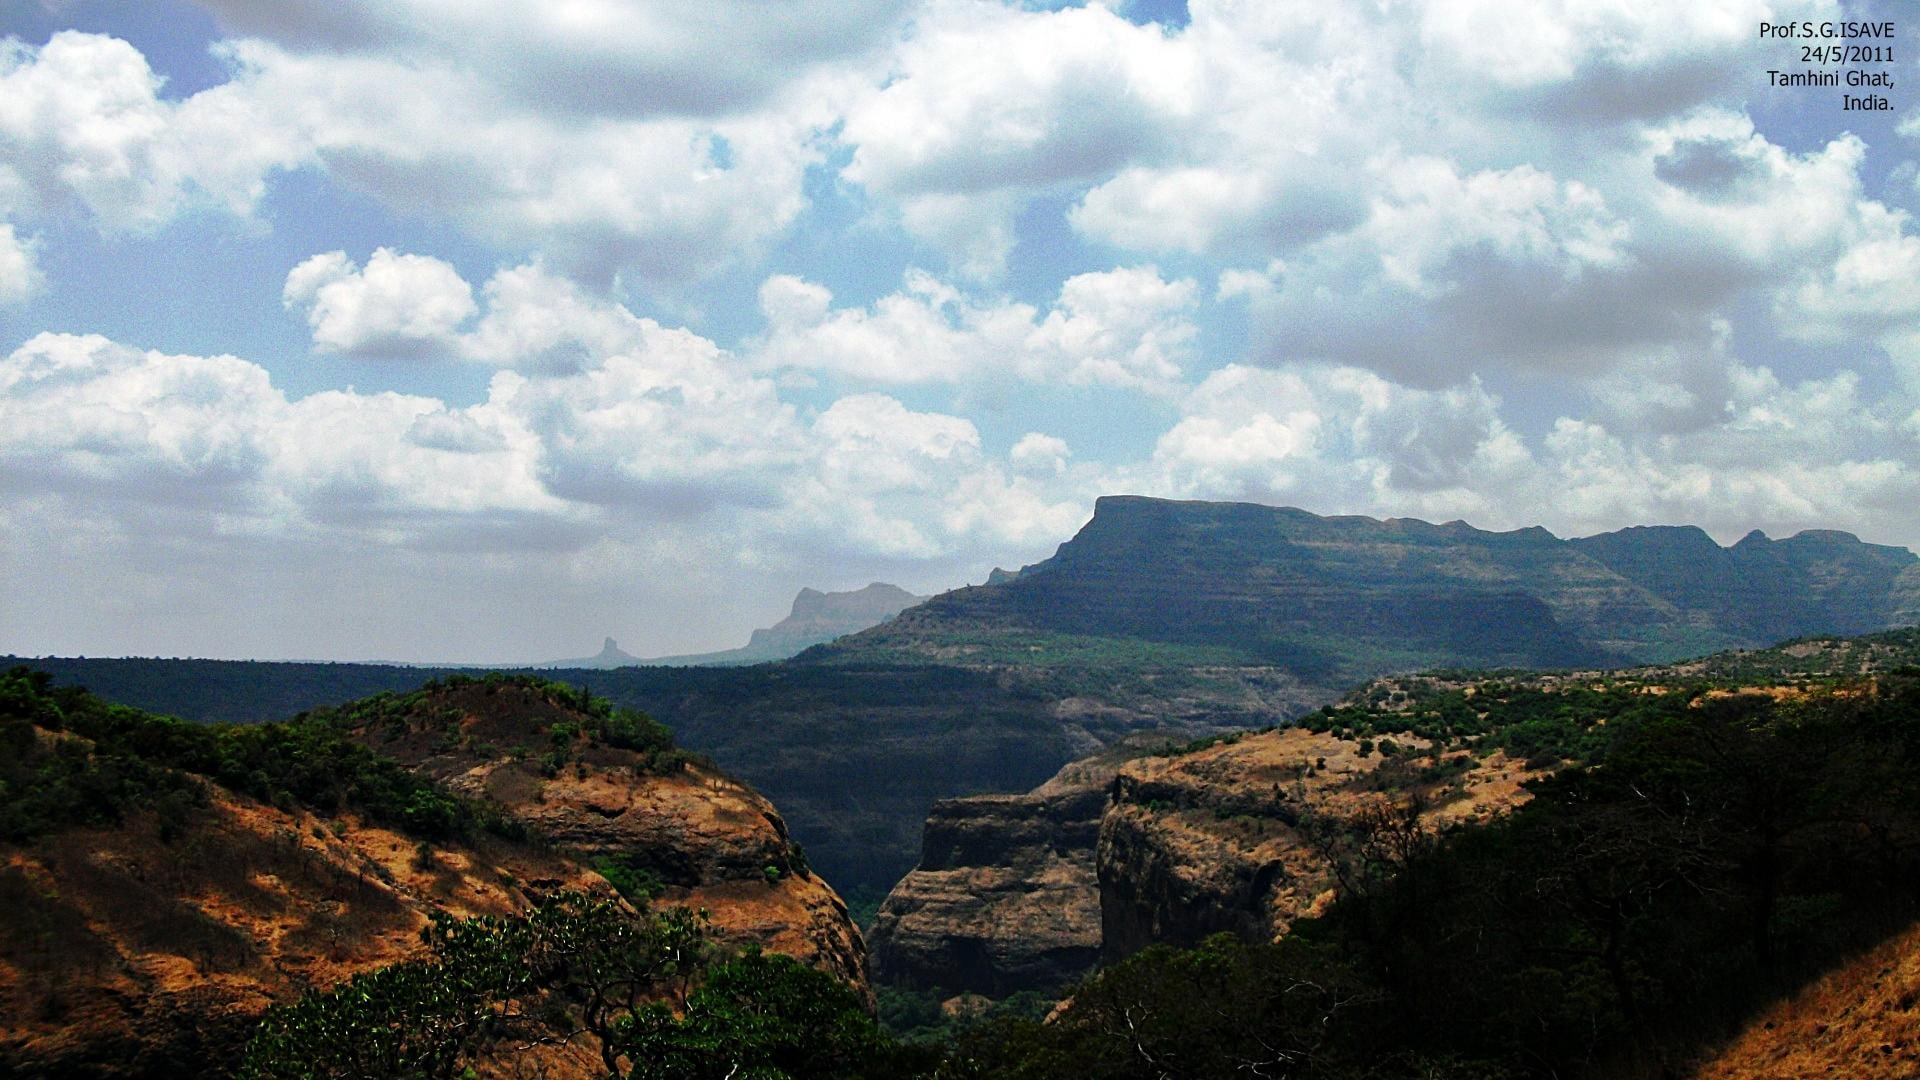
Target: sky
x,y
478,330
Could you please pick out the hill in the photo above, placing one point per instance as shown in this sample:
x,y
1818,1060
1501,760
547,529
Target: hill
x,y
1163,840
168,882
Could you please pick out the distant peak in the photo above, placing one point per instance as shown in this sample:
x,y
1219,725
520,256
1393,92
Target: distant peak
x,y
609,647
1754,537
1827,536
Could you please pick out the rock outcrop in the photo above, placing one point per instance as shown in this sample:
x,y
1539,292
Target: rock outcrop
x,y
1005,897
1146,843
711,841
815,618
1243,836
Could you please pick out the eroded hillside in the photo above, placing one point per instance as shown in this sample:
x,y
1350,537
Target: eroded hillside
x,y
166,883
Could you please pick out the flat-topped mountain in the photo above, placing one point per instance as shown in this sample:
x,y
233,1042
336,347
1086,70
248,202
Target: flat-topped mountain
x,y
1199,617
1339,599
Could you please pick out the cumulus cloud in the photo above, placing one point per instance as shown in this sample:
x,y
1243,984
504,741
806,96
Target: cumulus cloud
x,y
1127,327
83,126
399,304
645,425
20,275
663,191
1778,455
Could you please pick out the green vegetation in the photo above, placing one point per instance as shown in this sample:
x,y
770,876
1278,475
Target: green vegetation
x,y
72,759
639,884
432,708
1700,855
1640,906
1545,724
917,1016
648,988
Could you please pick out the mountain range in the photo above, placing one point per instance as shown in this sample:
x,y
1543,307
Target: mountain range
x,y
1188,616
816,617
1340,599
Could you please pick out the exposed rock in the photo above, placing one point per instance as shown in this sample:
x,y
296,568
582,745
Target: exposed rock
x,y
1129,847
714,842
132,952
1231,838
1005,897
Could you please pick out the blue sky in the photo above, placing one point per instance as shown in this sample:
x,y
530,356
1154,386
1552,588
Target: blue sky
x,y
350,329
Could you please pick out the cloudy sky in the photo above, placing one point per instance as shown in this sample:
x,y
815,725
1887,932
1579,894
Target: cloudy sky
x,y
479,329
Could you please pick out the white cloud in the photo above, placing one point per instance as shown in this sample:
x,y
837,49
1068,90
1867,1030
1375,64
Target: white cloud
x,y
1776,455
399,304
628,58
987,105
666,199
1039,455
82,126
1336,436
20,275
1127,327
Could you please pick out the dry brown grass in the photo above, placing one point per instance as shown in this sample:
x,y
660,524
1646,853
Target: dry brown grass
x,y
1861,1021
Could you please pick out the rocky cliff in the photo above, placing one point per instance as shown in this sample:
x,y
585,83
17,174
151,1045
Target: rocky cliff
x,y
1005,897
1243,836
1340,599
1140,844
706,839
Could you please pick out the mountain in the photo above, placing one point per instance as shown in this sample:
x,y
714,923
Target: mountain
x,y
609,656
1339,599
168,882
817,617
1196,617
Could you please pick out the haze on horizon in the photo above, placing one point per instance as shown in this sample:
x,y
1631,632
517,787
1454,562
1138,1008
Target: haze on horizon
x,y
341,329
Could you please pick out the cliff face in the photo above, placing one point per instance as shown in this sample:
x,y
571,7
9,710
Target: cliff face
x,y
1243,837
1132,847
1339,599
710,840
1005,897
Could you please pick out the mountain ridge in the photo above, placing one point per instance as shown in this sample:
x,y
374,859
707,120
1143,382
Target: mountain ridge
x,y
1335,594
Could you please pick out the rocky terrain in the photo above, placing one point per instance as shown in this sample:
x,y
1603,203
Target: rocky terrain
x,y
148,940
1139,845
1152,841
1005,897
700,837
1247,835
